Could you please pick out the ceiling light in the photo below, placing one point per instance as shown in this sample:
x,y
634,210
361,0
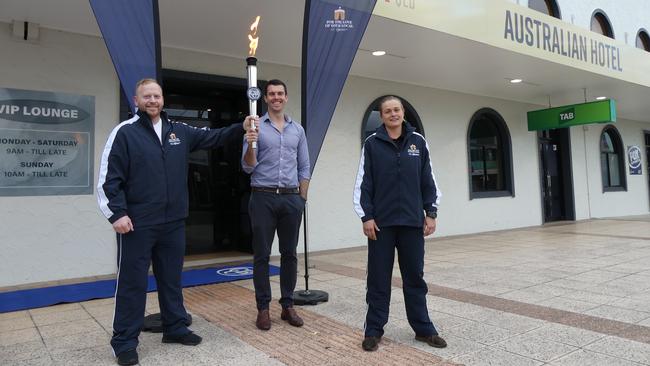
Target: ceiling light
x,y
601,98
378,53
516,81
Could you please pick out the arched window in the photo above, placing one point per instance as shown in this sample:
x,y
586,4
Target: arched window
x,y
643,40
490,155
372,120
601,25
612,160
548,7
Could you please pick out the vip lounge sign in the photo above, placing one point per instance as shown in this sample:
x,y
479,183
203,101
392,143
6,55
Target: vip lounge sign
x,y
634,160
46,143
603,111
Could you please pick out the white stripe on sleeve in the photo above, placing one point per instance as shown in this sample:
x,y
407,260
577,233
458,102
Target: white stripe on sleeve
x,y
356,197
437,191
102,200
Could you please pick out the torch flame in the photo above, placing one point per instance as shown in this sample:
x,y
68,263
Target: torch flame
x,y
252,37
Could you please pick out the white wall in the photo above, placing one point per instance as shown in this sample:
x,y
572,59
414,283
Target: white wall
x,y
56,237
591,201
445,117
626,17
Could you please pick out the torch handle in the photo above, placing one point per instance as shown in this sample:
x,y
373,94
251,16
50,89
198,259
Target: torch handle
x,y
251,70
252,109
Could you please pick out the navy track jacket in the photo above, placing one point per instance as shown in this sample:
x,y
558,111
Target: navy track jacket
x,y
147,180
395,183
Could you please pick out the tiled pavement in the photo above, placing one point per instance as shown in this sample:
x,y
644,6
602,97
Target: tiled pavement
x,y
570,294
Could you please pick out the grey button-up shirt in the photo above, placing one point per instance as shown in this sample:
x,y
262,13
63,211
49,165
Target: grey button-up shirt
x,y
282,157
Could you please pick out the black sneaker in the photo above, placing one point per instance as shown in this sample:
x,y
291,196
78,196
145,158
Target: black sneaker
x,y
188,339
370,344
127,358
433,340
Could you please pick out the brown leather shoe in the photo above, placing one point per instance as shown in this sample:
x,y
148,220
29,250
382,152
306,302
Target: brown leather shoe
x,y
432,340
263,321
370,344
290,315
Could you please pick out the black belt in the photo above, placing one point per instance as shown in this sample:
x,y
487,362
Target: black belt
x,y
276,190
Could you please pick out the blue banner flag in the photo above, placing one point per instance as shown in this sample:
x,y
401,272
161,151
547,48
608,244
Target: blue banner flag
x,y
131,31
332,32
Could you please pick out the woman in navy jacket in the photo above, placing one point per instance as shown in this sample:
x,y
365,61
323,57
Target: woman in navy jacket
x,y
396,197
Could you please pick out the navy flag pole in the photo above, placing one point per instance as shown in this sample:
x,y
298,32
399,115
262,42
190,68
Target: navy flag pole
x,y
131,31
332,32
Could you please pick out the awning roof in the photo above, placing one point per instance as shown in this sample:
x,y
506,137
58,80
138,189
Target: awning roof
x,y
416,55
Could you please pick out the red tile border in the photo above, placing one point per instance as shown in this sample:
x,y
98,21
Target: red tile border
x,y
321,341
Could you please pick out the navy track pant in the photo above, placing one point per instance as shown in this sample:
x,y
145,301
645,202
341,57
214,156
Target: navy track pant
x,y
163,246
409,242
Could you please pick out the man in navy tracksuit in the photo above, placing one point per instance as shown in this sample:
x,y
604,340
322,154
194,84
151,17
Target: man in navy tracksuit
x,y
396,197
142,191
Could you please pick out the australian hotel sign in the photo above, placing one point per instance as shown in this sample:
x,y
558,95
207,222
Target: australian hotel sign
x,y
516,28
46,143
535,33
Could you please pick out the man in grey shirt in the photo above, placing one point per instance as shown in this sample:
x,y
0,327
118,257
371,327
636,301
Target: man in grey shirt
x,y
280,174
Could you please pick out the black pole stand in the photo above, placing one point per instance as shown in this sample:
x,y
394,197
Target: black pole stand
x,y
307,296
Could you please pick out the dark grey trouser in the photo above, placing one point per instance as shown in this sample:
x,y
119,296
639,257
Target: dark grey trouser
x,y
270,212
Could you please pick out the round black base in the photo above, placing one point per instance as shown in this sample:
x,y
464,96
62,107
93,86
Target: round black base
x,y
153,323
309,297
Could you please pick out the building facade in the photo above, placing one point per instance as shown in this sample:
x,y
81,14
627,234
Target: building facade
x,y
452,62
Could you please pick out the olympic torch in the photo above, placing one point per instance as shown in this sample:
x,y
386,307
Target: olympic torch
x,y
253,92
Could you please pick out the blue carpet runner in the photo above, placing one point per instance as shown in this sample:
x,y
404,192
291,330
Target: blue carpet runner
x,y
46,296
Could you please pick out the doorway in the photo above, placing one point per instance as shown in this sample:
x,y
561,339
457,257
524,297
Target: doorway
x,y
218,189
556,177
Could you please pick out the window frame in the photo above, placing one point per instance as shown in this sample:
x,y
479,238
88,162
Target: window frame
x,y
619,149
553,7
374,106
506,148
604,22
643,35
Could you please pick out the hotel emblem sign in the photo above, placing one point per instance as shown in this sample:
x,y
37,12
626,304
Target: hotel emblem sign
x,y
634,160
339,14
338,23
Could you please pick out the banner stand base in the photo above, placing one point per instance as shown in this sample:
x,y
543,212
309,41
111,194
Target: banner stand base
x,y
309,297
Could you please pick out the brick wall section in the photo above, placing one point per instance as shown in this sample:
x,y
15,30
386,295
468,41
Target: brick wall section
x,y
321,341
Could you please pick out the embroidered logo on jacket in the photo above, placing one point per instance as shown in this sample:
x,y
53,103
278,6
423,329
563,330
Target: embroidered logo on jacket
x,y
413,150
173,140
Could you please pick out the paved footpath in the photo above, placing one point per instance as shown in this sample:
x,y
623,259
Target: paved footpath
x,y
569,294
